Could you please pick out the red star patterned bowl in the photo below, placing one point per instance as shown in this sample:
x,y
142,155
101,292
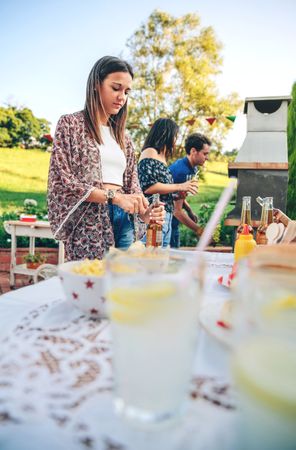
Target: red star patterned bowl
x,y
86,292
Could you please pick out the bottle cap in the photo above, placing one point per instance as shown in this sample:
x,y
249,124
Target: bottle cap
x,y
245,234
245,229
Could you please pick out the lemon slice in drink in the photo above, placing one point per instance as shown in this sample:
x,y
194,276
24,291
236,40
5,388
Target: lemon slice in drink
x,y
287,304
137,304
265,368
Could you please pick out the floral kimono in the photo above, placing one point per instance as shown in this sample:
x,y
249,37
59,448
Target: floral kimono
x,y
75,171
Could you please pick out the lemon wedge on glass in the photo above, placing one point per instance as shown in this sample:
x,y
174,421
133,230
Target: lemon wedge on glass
x,y
265,368
136,304
280,305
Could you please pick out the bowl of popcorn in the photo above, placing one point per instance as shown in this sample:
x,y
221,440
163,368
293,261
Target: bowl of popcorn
x,y
84,285
84,282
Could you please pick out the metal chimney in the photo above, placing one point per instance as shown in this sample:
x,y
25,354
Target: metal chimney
x,y
261,165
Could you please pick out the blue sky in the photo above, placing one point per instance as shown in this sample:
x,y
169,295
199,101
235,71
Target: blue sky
x,y
49,46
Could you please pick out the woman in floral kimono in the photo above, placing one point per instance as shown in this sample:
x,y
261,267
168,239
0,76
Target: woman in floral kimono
x,y
93,186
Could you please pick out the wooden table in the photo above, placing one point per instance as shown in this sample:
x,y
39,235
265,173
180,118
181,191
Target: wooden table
x,y
232,222
32,230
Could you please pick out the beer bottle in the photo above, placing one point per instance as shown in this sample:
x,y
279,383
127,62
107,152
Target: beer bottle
x,y
277,213
154,230
266,219
245,216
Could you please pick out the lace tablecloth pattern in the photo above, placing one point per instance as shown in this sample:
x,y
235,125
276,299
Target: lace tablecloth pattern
x,y
56,392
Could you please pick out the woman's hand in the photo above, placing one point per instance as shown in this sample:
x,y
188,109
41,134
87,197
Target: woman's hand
x,y
155,213
189,186
138,204
131,203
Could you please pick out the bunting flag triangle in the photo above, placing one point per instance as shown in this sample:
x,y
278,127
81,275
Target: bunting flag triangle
x,y
232,118
211,120
190,121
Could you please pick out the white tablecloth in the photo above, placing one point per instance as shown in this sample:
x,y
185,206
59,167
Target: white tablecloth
x,y
56,379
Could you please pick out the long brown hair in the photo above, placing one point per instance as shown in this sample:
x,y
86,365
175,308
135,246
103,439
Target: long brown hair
x,y
93,105
162,136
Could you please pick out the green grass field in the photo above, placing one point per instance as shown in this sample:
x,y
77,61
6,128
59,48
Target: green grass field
x,y
24,175
216,178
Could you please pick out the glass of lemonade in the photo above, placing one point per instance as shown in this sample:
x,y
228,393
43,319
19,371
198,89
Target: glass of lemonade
x,y
154,319
264,361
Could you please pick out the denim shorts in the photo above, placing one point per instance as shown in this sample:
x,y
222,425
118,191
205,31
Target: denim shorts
x,y
167,229
123,227
175,236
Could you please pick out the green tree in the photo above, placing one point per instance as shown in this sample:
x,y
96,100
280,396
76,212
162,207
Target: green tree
x,y
10,127
31,127
20,126
5,138
176,63
291,199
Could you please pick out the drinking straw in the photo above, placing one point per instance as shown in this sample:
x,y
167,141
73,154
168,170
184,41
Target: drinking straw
x,y
216,216
208,231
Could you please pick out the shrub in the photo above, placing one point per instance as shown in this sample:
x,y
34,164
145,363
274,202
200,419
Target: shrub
x,y
36,258
5,238
291,197
30,206
221,236
187,237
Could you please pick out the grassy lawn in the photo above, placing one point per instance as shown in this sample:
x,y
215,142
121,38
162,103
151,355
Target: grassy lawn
x,y
216,178
24,175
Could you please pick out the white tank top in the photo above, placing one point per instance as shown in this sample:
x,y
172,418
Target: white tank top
x,y
112,158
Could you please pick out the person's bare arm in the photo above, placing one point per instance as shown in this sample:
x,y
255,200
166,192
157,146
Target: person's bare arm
x,y
97,196
166,188
183,217
279,216
189,211
130,203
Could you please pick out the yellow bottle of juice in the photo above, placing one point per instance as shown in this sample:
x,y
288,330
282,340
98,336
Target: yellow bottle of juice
x,y
244,244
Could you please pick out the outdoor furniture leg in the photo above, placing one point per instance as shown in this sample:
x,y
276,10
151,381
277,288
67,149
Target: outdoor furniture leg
x,y
61,256
32,231
32,245
12,257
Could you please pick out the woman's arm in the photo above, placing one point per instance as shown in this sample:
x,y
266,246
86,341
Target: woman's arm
x,y
97,196
66,191
155,213
130,203
164,188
